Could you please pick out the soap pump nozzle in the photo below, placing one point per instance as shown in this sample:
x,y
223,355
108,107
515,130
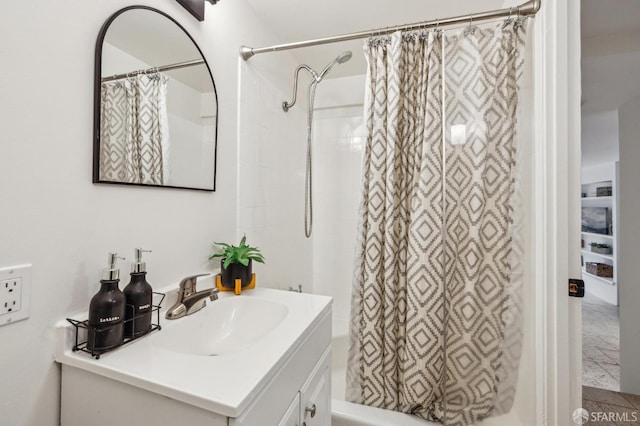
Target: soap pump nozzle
x,y
112,273
139,266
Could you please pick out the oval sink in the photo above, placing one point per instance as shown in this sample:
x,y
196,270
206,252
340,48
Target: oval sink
x,y
222,327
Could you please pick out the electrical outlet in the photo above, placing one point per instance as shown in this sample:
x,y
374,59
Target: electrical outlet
x,y
10,295
15,293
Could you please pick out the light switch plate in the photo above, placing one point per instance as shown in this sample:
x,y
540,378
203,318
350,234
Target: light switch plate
x,y
15,293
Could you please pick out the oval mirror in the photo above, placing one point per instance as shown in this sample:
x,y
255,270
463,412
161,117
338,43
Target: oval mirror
x,y
156,107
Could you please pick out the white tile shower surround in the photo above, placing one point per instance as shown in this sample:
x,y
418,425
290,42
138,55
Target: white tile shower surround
x,y
338,154
271,156
600,344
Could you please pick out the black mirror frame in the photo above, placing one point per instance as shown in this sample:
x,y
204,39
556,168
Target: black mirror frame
x,y
97,105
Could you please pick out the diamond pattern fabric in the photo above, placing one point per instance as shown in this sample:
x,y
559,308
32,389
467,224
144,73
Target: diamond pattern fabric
x,y
134,133
436,317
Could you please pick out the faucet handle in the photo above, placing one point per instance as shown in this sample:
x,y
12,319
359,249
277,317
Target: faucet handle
x,y
188,284
214,294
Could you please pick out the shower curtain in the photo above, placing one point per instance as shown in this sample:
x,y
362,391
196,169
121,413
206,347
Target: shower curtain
x,y
436,313
134,133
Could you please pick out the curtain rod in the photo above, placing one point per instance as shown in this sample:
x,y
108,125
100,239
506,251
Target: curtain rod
x,y
156,69
529,8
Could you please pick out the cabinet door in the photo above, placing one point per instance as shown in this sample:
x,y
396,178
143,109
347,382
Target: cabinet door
x,y
315,395
292,415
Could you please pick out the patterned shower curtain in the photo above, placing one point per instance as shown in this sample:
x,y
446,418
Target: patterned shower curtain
x,y
134,133
436,314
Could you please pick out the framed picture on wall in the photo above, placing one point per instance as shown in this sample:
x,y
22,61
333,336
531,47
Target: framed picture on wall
x,y
595,220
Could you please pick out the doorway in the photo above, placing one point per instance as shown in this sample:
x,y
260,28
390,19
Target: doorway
x,y
610,38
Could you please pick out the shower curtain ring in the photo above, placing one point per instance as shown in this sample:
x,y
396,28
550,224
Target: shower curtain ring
x,y
469,29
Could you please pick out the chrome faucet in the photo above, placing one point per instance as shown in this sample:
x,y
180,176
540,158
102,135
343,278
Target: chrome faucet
x,y
190,300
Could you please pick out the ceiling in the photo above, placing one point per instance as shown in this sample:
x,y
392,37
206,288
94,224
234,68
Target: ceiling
x,y
610,37
603,17
610,53
296,20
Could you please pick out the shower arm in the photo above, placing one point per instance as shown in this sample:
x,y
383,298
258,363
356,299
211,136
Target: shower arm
x,y
286,105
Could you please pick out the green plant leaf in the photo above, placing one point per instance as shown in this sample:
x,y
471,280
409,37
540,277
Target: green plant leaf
x,y
241,254
226,263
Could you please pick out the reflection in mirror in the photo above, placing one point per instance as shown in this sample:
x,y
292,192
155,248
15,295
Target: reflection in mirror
x,y
156,105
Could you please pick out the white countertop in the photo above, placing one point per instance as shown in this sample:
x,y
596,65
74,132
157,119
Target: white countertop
x,y
222,384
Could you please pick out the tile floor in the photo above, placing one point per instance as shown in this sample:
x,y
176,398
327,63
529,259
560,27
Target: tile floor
x,y
600,344
610,408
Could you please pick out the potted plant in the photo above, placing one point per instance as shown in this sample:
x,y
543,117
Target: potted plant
x,y
601,248
236,262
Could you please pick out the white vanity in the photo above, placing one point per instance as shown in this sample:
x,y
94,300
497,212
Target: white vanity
x,y
258,359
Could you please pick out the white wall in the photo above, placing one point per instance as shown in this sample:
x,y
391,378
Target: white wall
x,y
629,244
598,173
272,156
55,218
599,138
338,148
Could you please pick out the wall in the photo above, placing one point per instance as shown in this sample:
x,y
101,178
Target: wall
x,y
339,145
55,218
599,138
629,245
272,159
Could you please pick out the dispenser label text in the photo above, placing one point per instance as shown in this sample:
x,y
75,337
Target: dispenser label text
x,y
110,319
141,307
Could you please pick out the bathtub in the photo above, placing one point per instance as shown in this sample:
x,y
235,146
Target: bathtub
x,y
345,413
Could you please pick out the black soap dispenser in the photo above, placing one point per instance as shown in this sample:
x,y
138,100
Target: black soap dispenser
x,y
139,299
107,311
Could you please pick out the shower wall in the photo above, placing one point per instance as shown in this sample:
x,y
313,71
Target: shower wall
x,y
272,155
338,149
271,167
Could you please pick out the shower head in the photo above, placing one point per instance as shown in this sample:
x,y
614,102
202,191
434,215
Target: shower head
x,y
344,57
340,59
317,78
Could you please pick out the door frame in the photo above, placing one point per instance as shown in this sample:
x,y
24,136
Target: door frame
x,y
557,212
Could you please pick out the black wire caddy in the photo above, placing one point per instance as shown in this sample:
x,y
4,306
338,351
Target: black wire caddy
x,y
81,345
